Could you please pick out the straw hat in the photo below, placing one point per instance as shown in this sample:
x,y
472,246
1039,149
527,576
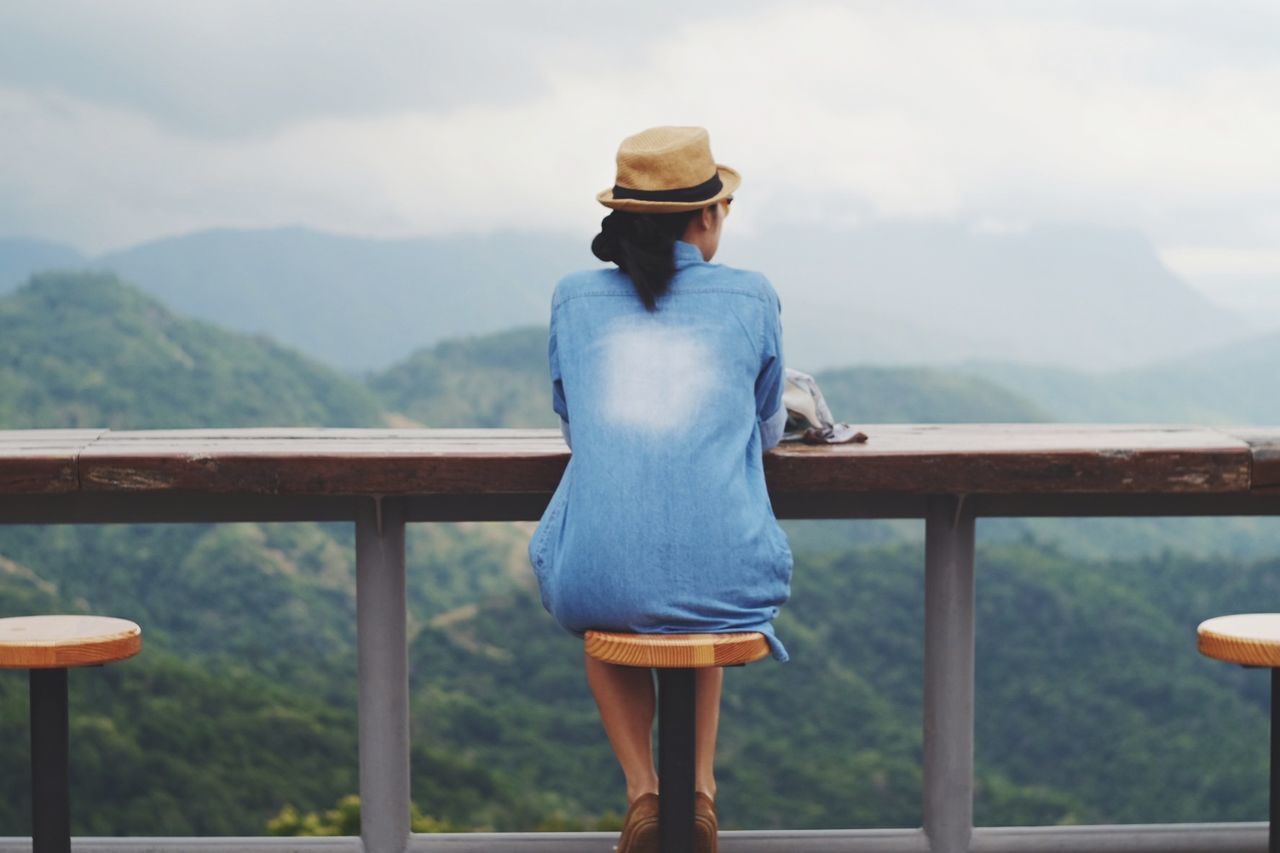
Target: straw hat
x,y
668,170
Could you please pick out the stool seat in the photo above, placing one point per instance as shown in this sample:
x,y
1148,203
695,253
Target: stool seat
x,y
1249,639
676,651
49,642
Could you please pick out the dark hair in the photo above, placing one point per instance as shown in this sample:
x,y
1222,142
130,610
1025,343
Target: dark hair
x,y
643,246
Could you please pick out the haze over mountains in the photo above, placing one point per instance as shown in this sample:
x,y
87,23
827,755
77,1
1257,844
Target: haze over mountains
x,y
1238,383
19,258
888,293
905,293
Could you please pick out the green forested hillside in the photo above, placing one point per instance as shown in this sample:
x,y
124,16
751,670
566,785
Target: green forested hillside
x,y
489,381
501,380
87,350
249,628
243,700
1082,728
1092,703
865,395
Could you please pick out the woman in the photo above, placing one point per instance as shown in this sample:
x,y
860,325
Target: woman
x,y
667,376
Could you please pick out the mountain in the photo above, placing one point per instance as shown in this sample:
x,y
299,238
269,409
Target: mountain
x,y
216,726
20,258
930,293
866,395
87,350
501,380
497,380
243,701
941,292
1236,384
353,302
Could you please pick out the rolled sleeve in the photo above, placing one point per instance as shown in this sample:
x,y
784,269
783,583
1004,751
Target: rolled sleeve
x,y
771,429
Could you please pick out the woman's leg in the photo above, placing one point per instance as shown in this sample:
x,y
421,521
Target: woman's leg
x,y
710,684
626,699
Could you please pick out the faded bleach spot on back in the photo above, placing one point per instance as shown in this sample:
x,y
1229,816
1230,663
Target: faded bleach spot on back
x,y
655,377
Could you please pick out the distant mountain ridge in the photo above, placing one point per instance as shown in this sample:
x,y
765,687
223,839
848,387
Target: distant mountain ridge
x,y
1236,384
885,293
87,349
19,258
500,379
941,293
353,302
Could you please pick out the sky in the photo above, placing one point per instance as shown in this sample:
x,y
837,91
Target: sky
x,y
126,121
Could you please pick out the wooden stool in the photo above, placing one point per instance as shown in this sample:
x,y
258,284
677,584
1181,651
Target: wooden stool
x,y
675,657
48,646
1252,640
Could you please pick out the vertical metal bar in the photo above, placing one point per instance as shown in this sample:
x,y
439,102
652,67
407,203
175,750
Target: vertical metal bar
x,y
1273,837
50,763
948,675
677,709
383,676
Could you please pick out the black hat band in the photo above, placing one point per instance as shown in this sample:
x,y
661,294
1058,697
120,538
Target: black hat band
x,y
702,192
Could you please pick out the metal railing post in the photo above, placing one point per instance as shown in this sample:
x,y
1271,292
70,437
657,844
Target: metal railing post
x,y
383,676
948,675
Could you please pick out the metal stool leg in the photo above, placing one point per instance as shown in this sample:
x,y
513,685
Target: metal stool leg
x,y
1273,839
50,762
676,742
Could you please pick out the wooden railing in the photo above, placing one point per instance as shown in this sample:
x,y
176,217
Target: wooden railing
x,y
949,475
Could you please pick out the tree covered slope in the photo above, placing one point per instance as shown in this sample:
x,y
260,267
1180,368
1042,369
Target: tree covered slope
x,y
88,350
1092,703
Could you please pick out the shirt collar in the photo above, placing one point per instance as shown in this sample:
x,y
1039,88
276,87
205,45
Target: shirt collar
x,y
687,254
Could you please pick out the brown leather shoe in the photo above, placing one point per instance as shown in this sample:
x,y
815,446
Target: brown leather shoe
x,y
640,830
705,825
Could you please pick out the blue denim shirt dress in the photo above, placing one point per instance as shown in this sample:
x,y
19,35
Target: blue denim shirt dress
x,y
661,522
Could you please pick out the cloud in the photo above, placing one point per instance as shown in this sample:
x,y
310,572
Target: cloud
x,y
244,67
237,68
1112,115
1242,262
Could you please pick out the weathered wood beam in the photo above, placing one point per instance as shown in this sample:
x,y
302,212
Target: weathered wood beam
x,y
899,459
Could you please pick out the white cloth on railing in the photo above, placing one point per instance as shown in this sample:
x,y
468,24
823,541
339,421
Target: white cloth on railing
x,y
808,416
